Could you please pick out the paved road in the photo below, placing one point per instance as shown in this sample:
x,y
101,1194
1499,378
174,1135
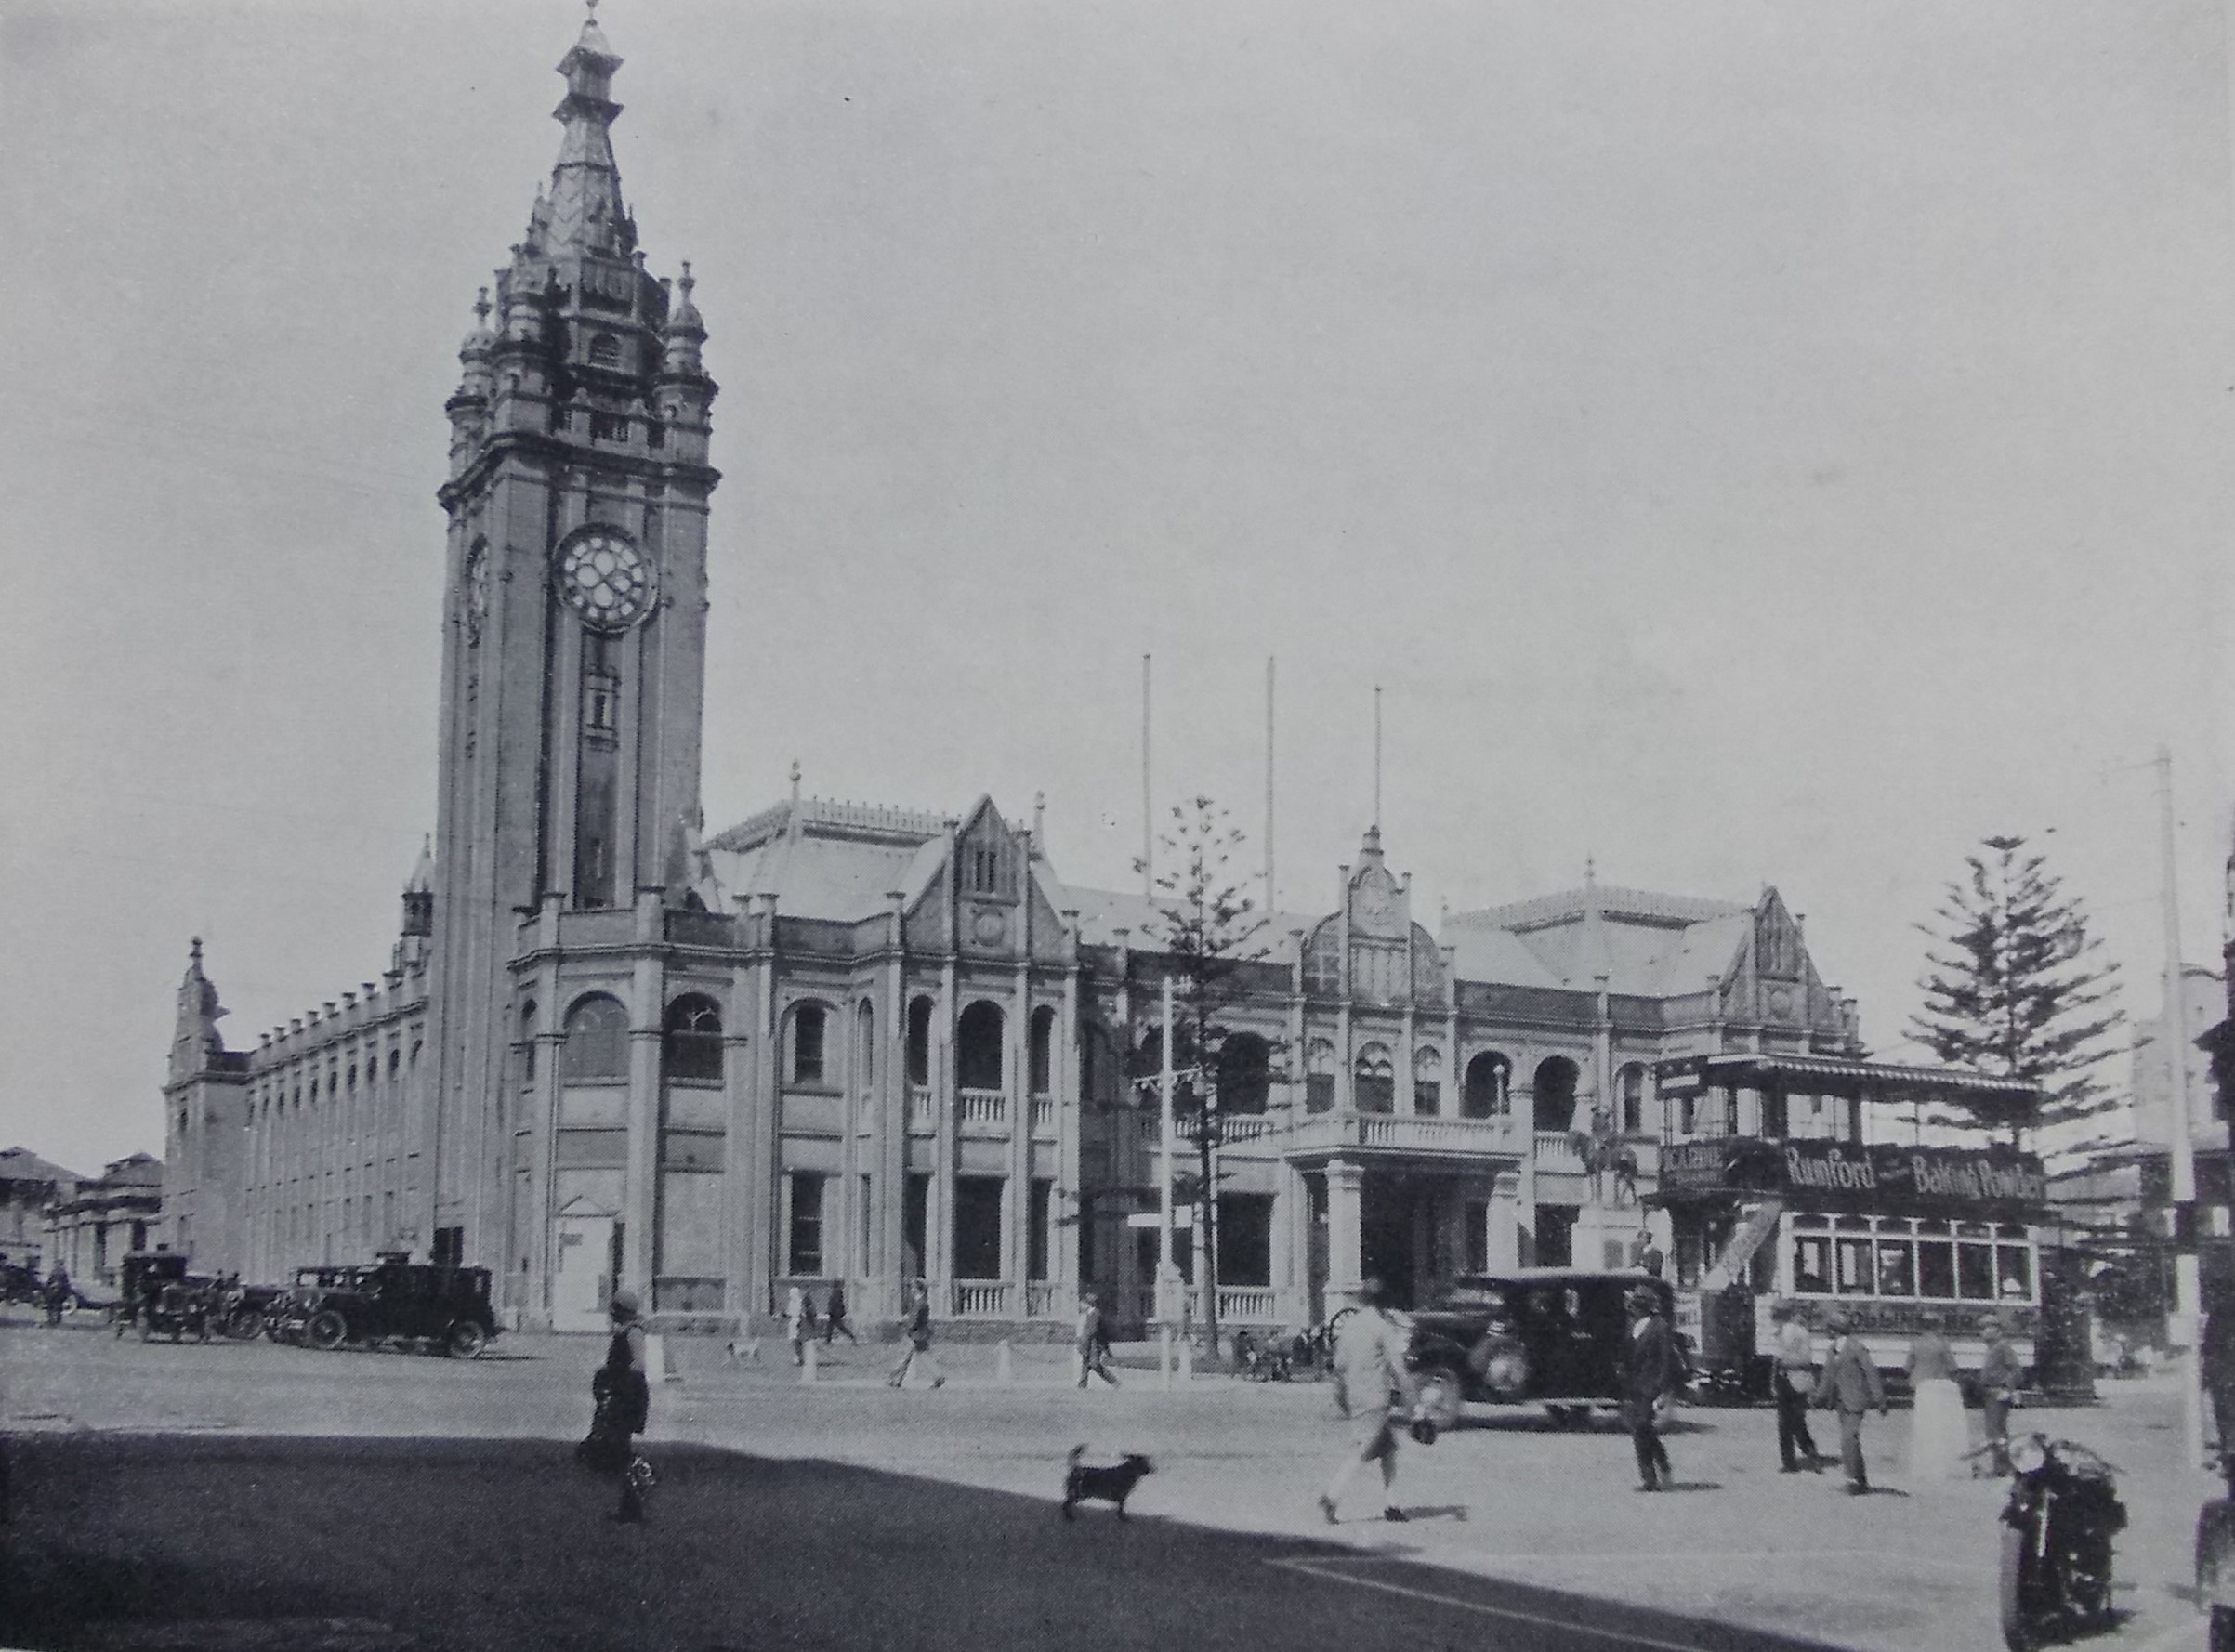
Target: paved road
x,y
846,1514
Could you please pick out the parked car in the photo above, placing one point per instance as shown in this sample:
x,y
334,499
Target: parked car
x,y
443,1307
1550,1336
140,1279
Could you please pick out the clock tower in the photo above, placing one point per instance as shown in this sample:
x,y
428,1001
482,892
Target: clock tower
x,y
574,624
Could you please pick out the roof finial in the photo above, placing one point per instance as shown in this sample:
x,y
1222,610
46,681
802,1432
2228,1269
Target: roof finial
x,y
795,781
195,951
480,307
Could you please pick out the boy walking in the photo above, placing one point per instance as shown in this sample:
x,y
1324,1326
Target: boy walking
x,y
1093,1344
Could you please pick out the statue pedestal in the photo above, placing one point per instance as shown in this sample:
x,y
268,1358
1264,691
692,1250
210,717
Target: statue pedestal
x,y
1606,1238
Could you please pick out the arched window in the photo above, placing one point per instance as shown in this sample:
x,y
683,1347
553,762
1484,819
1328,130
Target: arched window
x,y
1489,1090
1554,1094
865,1047
690,1044
1244,1073
605,350
1318,1076
978,1047
527,1046
1428,1080
807,1026
1629,1085
596,1045
1043,1049
1374,1079
919,1042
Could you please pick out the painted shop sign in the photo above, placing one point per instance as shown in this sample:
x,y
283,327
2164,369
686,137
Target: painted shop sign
x,y
1885,1177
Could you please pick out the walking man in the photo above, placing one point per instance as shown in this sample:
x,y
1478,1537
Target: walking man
x,y
1850,1384
1794,1382
833,1315
918,1328
1999,1375
1648,1373
1094,1347
1370,1382
56,1294
794,1323
621,1394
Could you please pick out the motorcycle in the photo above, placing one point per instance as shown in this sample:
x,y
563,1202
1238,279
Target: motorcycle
x,y
2216,1561
2057,1522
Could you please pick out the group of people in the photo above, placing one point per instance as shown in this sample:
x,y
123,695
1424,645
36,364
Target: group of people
x,y
800,1319
1376,1391
1849,1382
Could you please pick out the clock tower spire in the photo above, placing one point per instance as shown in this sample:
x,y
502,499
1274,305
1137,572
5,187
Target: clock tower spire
x,y
575,602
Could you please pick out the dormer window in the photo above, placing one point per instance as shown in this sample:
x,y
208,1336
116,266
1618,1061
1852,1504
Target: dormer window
x,y
605,351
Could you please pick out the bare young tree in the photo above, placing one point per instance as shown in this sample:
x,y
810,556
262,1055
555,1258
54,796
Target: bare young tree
x,y
2018,988
1211,934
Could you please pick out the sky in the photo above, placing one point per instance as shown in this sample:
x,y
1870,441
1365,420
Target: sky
x,y
1748,443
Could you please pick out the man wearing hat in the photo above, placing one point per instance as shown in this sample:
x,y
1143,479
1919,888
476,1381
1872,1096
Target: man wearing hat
x,y
1851,1385
623,1396
1371,1379
1648,1372
1999,1375
1795,1379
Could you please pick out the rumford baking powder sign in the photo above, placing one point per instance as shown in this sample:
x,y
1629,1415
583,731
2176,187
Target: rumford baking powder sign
x,y
1881,1177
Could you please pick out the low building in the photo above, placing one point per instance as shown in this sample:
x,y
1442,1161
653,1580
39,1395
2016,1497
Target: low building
x,y
28,1184
105,1218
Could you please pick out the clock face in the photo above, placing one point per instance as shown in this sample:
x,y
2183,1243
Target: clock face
x,y
606,579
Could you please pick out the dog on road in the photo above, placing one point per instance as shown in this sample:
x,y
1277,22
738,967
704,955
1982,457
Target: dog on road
x,y
1111,1484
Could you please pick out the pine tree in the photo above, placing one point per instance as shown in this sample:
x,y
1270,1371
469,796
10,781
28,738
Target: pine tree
x,y
1211,933
2018,988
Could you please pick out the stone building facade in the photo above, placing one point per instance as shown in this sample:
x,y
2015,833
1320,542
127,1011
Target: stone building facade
x,y
839,1041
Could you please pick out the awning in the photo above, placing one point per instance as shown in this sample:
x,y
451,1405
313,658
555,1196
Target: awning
x,y
1996,1100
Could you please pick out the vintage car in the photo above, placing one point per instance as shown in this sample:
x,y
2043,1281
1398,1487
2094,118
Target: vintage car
x,y
1549,1336
140,1279
445,1308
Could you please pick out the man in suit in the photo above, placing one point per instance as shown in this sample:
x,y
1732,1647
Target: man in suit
x,y
1851,1385
1795,1380
1999,1376
1648,1372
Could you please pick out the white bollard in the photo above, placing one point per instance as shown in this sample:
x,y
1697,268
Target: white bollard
x,y
1164,1356
807,1365
1187,1362
1005,1364
1078,1369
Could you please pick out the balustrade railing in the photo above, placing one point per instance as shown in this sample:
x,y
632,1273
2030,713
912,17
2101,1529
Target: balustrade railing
x,y
1247,1304
1039,1301
1556,1152
1044,1116
980,1299
985,1109
922,1110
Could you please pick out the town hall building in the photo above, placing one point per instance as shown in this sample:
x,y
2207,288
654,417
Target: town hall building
x,y
871,1045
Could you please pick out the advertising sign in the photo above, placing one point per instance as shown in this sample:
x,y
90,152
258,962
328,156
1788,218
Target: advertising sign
x,y
1991,1183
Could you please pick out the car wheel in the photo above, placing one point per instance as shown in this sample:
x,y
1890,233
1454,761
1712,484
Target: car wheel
x,y
327,1330
468,1340
1443,1396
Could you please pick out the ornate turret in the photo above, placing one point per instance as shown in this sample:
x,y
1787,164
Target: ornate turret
x,y
195,1042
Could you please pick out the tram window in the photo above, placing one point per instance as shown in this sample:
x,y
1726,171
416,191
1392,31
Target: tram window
x,y
1897,1268
1931,1225
1976,1230
2014,1265
2010,1230
1975,1272
1810,1221
1813,1267
1936,1269
1853,1256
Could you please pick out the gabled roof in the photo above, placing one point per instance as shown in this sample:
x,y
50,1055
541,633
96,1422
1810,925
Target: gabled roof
x,y
20,1164
1648,945
826,859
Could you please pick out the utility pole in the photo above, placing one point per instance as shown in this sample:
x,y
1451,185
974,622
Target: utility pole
x,y
2188,1285
1167,1276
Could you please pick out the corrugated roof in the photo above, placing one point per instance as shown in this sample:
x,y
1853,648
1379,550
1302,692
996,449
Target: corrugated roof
x,y
20,1164
1883,1078
1614,901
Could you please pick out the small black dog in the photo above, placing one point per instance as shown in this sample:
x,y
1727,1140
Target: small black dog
x,y
1112,1484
